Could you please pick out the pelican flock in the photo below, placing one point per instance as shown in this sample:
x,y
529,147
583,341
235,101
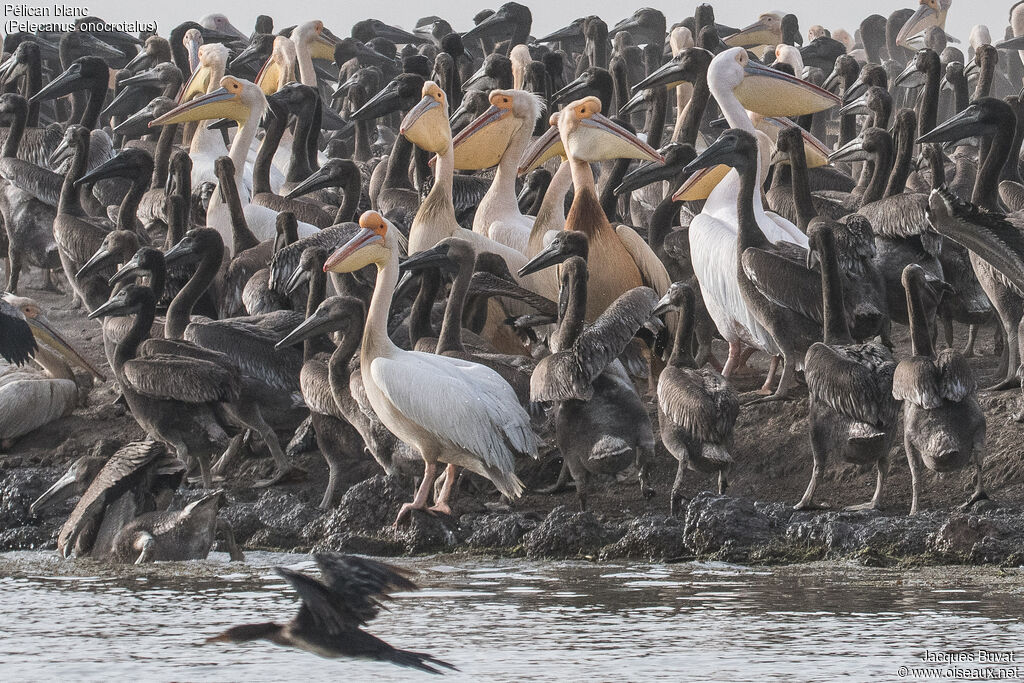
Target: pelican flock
x,y
492,267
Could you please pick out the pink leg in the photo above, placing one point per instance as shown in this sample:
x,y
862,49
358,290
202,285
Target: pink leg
x,y
441,505
734,358
766,388
420,502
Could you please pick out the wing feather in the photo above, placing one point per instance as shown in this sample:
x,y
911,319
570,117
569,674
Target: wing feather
x,y
176,378
785,282
699,401
855,381
652,270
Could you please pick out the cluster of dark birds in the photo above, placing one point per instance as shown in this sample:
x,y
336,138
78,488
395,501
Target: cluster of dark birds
x,y
474,248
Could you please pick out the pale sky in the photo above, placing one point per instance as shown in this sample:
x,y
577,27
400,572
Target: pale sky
x,y
547,16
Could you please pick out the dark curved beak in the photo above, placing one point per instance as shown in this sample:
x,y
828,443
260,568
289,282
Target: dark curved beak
x,y
572,91
966,124
385,102
114,306
721,151
61,490
250,55
128,271
1016,43
332,120
102,47
312,326
65,83
634,102
910,77
183,251
498,24
299,277
141,62
100,259
851,151
644,175
552,255
399,36
437,257
573,30
115,167
317,180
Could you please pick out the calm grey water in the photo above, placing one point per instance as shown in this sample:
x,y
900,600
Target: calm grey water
x,y
509,620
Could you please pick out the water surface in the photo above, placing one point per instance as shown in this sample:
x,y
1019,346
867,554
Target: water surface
x,y
508,620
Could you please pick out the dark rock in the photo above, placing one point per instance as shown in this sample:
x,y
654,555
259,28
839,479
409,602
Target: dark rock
x,y
273,539
504,531
566,534
428,533
285,514
371,505
726,527
959,535
26,538
360,544
243,520
650,537
18,488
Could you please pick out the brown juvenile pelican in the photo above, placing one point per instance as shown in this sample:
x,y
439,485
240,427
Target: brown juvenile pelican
x,y
31,398
697,408
944,426
852,410
337,439
186,534
28,220
601,425
476,423
121,497
172,397
334,609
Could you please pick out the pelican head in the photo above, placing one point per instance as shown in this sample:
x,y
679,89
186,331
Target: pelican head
x,y
143,262
676,155
373,244
126,301
678,297
317,38
212,61
767,91
861,147
689,64
401,93
333,173
482,143
767,30
547,146
196,242
426,125
983,117
735,147
335,313
76,480
112,249
279,69
219,22
589,136
235,99
929,13
566,244
79,75
48,339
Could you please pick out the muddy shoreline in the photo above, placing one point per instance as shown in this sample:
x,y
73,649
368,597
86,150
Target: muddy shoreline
x,y
752,524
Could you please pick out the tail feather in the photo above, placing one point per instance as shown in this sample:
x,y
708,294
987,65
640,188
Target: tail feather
x,y
418,660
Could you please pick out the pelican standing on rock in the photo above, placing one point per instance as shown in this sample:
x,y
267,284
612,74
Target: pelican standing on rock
x,y
472,419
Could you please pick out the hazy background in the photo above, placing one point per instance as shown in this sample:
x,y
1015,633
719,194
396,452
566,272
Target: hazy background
x,y
547,15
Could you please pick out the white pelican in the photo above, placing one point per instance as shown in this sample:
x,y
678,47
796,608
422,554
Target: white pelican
x,y
504,130
245,103
731,76
30,398
426,126
929,13
619,258
450,410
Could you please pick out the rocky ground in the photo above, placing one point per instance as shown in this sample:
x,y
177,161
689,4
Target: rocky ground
x,y
754,523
